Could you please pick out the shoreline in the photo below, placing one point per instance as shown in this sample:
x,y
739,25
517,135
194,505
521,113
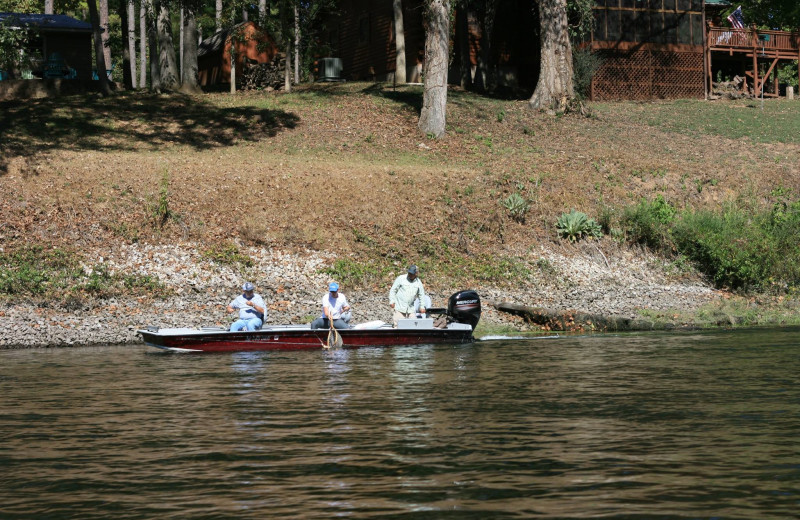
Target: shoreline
x,y
620,286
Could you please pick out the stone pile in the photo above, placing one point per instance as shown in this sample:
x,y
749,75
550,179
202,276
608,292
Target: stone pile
x,y
293,283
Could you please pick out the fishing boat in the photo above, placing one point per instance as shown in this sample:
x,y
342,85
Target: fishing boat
x,y
460,318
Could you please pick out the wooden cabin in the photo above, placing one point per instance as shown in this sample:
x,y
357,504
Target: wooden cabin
x,y
253,44
650,49
56,35
748,52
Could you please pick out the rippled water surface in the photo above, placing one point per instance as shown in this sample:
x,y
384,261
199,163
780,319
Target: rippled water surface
x,y
688,425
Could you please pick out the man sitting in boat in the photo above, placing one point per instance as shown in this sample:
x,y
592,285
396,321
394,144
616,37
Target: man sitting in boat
x,y
334,307
404,291
251,308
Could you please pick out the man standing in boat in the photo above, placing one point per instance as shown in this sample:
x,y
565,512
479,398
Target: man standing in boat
x,y
334,307
251,308
405,290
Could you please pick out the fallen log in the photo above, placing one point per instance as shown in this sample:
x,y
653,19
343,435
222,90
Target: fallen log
x,y
576,321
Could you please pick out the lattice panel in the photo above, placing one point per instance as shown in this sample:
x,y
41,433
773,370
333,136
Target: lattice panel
x,y
646,74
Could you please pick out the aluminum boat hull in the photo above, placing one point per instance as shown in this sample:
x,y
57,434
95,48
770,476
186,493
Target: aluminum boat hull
x,y
297,338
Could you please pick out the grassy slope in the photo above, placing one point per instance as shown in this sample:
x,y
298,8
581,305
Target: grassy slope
x,y
343,168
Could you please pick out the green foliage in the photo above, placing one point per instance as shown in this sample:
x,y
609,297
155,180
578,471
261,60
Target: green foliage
x,y
648,223
161,212
34,271
356,274
228,254
575,225
517,206
14,52
585,64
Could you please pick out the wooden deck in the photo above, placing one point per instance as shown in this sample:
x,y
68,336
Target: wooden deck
x,y
768,47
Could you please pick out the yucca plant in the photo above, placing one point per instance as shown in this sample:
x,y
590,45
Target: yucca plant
x,y
517,206
576,225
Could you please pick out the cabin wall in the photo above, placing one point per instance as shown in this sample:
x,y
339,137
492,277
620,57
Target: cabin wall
x,y
650,49
214,67
75,49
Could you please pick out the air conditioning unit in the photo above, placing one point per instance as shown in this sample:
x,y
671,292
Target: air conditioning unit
x,y
329,69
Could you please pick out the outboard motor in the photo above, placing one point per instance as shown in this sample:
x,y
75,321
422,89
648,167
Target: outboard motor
x,y
465,307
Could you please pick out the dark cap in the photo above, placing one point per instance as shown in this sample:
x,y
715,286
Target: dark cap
x,y
412,269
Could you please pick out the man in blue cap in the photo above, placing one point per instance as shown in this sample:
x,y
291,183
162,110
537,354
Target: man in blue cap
x,y
334,307
251,307
404,291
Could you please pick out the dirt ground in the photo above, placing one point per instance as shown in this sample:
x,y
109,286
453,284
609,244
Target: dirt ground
x,y
343,168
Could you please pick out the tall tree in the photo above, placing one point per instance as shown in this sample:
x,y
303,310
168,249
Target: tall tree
x,y
97,38
142,43
48,6
462,45
219,15
189,82
555,87
399,42
128,77
152,43
106,34
132,40
296,44
170,79
436,20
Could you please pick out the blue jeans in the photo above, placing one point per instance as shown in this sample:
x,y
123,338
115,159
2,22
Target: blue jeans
x,y
323,323
251,324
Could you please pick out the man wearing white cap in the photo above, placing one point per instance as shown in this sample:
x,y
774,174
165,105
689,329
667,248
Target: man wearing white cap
x,y
334,307
251,308
404,291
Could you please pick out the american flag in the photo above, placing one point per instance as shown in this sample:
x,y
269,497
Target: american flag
x,y
736,19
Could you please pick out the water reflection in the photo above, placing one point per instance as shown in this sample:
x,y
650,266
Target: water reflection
x,y
619,426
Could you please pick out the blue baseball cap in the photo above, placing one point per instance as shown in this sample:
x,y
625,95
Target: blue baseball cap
x,y
248,287
333,287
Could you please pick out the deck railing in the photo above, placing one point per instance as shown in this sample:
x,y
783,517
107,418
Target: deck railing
x,y
769,41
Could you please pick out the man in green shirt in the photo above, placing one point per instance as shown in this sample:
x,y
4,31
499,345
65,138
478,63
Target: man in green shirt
x,y
405,290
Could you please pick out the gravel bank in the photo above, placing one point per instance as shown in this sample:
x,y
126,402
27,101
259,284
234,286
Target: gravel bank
x,y
612,283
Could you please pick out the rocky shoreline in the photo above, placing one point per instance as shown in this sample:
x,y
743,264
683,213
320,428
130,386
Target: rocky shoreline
x,y
616,283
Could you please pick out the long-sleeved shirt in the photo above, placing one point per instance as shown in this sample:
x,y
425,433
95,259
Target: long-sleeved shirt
x,y
404,292
246,312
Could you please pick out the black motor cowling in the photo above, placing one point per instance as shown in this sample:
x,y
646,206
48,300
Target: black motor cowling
x,y
465,307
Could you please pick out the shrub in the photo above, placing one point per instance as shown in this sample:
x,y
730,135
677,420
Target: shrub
x,y
731,247
585,65
648,223
575,225
517,206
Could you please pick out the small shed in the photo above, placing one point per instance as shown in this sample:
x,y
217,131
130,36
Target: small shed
x,y
214,53
57,33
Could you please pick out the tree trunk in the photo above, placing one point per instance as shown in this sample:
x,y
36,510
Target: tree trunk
x,y
296,45
127,77
555,86
105,34
219,15
287,83
48,6
483,72
462,42
262,12
189,82
99,60
143,44
132,40
399,43
181,38
434,98
166,57
152,42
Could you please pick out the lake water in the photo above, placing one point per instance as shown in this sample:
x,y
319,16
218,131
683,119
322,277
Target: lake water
x,y
683,425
